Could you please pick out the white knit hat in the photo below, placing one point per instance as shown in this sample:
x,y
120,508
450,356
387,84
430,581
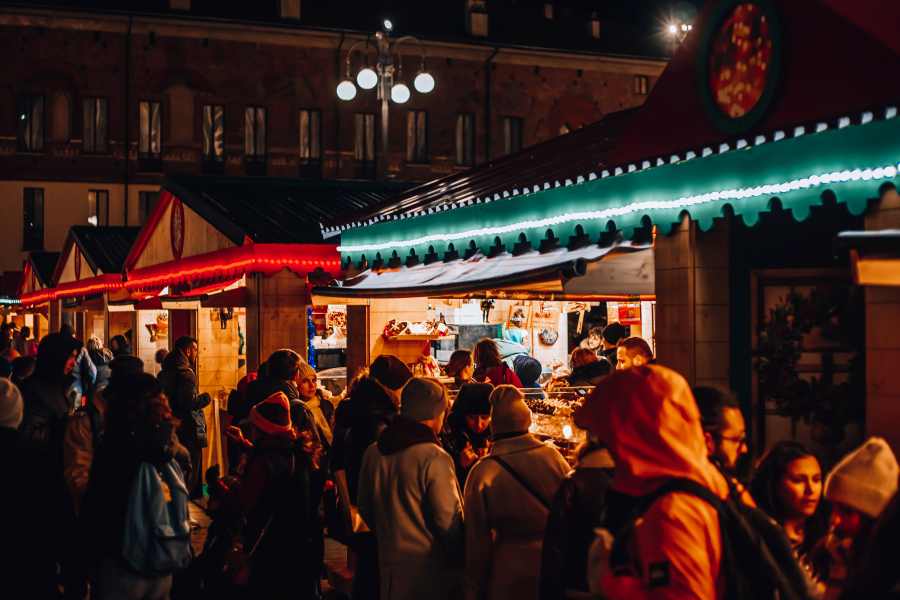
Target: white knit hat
x,y
509,413
866,479
11,406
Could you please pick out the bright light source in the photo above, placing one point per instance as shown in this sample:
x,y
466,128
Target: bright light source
x,y
367,78
672,29
400,93
346,90
567,432
423,82
388,26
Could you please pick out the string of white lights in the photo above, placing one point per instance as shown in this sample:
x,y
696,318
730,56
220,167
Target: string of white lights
x,y
767,190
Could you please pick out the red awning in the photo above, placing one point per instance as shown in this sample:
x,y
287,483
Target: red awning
x,y
83,287
267,259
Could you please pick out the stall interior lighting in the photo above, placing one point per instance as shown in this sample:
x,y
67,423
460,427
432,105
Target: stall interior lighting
x,y
761,191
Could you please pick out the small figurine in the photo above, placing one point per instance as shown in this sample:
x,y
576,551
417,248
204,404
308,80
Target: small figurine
x,y
486,306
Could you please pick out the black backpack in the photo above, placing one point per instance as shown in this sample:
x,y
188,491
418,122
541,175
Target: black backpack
x,y
757,560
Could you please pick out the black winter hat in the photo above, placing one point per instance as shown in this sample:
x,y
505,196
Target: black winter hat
x,y
390,371
614,332
473,399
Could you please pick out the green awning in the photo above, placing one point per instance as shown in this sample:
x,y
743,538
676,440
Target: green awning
x,y
851,161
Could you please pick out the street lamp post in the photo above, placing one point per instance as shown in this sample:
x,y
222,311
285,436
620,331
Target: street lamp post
x,y
383,77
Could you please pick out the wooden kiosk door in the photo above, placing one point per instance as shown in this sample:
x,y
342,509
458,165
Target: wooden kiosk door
x,y
181,323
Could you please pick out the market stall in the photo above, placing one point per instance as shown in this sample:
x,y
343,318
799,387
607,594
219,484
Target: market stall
x,y
34,299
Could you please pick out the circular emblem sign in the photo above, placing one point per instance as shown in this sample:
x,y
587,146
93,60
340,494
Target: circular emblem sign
x,y
176,222
741,63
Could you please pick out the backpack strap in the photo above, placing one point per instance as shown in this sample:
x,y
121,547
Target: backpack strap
x,y
522,481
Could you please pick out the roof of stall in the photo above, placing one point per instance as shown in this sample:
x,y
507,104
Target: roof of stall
x,y
276,211
825,126
104,248
43,265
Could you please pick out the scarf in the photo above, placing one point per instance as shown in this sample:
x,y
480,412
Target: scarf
x,y
315,408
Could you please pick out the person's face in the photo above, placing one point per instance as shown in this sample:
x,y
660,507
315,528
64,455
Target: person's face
x,y
626,360
800,489
731,442
465,374
70,362
192,352
478,423
307,387
845,521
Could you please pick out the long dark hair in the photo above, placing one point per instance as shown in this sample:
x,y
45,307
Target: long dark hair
x,y
459,360
767,479
487,354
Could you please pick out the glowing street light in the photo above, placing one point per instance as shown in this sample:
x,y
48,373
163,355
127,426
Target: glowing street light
x,y
367,78
424,82
346,90
400,93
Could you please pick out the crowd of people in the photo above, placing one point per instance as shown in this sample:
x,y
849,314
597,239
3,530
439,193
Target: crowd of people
x,y
437,491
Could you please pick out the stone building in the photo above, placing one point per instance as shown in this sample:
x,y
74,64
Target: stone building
x,y
100,102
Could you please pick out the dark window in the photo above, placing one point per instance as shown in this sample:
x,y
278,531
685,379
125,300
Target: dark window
x,y
30,117
465,139
213,132
641,85
512,134
255,132
146,205
96,119
33,219
310,135
98,207
417,136
364,137
150,136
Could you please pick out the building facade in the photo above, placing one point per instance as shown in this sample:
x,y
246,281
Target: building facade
x,y
99,106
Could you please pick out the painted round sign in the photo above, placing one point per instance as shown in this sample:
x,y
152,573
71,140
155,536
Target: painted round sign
x,y
176,226
740,63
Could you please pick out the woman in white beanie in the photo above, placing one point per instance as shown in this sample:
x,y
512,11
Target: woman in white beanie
x,y
859,488
507,500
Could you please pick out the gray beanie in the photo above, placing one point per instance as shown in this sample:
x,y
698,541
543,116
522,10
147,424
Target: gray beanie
x,y
423,399
11,406
509,413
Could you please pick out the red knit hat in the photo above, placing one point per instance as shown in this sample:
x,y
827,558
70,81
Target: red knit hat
x,y
273,415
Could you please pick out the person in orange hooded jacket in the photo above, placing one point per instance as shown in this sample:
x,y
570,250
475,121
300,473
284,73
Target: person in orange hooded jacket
x,y
650,422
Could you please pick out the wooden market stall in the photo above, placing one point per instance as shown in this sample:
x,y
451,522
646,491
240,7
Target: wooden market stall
x,y
33,293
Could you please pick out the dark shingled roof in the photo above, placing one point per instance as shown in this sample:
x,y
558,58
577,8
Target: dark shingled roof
x,y
104,248
272,210
44,264
568,156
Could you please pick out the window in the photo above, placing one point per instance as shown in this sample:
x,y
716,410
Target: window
x,y
96,118
98,207
512,134
146,205
33,219
364,137
641,85
30,115
465,139
255,132
214,132
150,138
417,136
310,135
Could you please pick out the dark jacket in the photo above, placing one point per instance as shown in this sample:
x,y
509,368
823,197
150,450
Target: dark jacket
x,y
589,374
358,422
103,370
179,382
279,498
578,507
456,436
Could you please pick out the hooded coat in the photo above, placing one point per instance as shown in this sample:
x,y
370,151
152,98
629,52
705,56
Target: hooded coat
x,y
409,497
505,523
180,384
650,422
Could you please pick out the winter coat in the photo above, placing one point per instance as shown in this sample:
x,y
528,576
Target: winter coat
x,y
179,382
104,372
85,374
653,430
409,497
505,522
579,506
589,374
279,499
78,446
456,436
498,375
359,421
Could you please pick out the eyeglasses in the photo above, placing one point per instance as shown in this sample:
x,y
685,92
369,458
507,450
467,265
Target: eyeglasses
x,y
741,439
